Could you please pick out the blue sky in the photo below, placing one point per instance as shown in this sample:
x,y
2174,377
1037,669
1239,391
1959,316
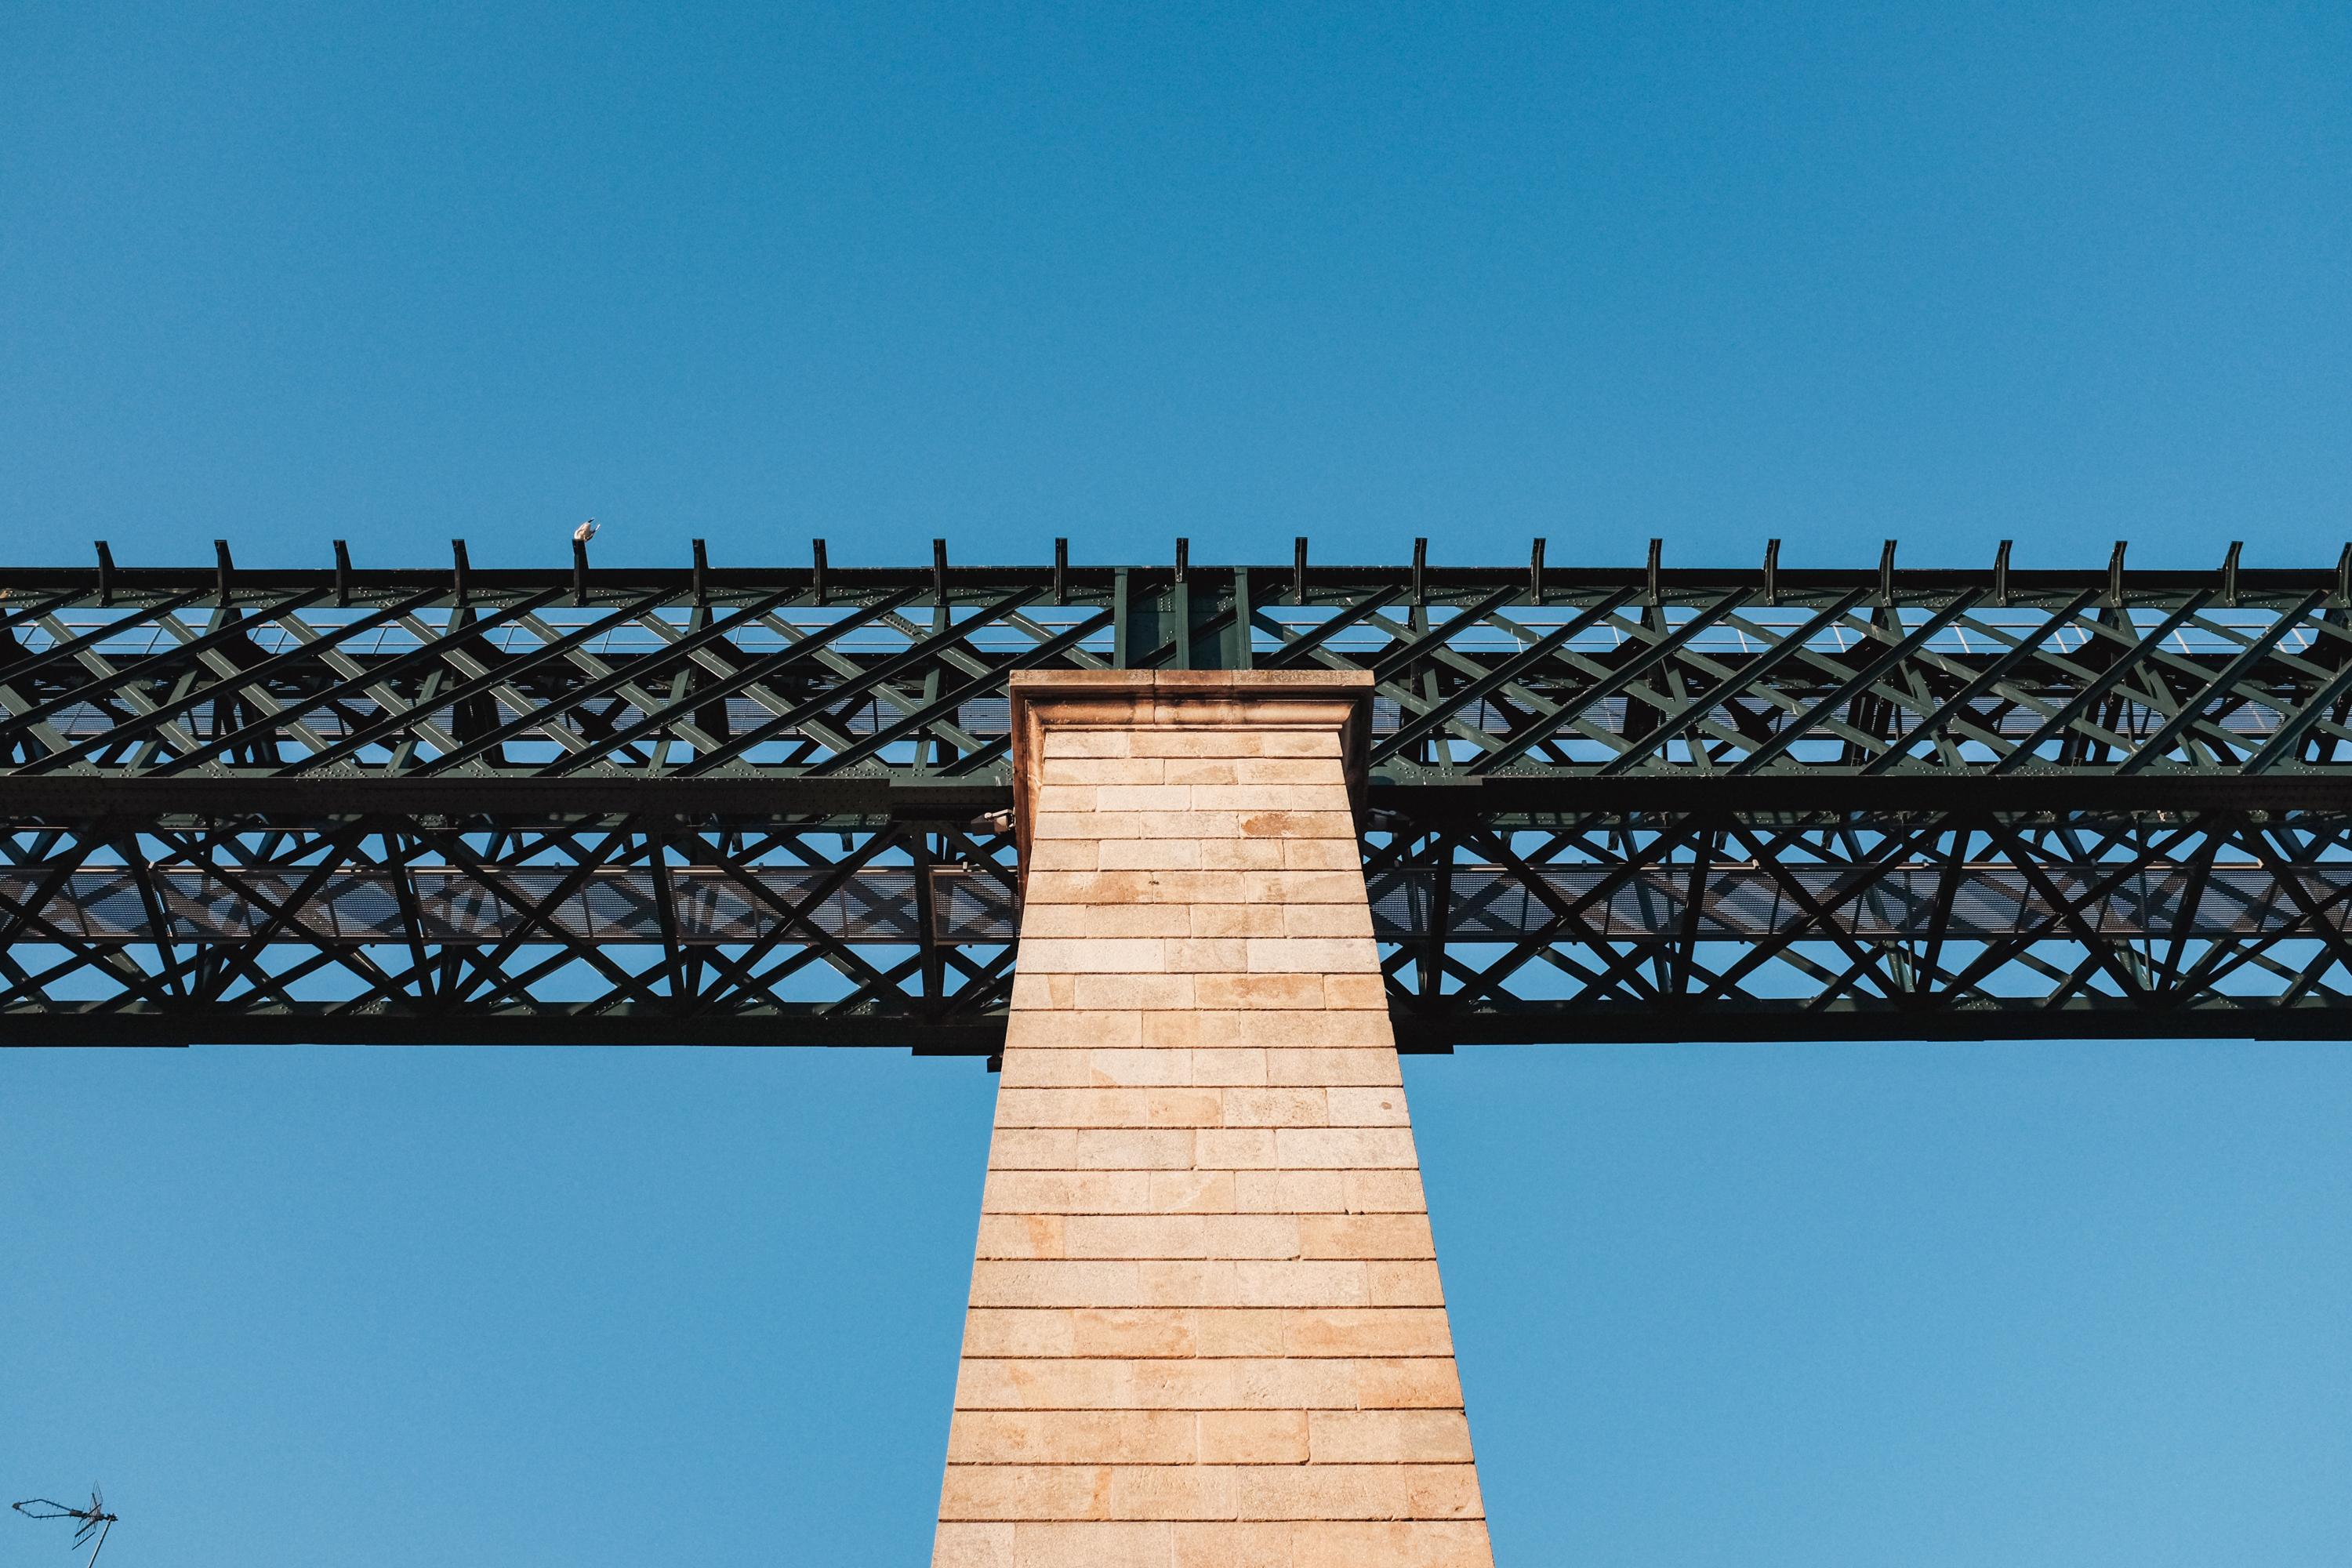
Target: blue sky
x,y
1949,274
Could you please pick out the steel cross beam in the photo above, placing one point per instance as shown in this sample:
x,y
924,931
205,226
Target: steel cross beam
x,y
762,805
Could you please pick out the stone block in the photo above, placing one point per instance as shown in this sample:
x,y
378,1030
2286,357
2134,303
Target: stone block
x,y
1199,955
1339,991
1357,1106
1417,1384
1196,744
1296,1284
1336,1066
1191,1107
1167,1030
1230,1544
1137,1332
989,1546
1322,1492
991,1332
1364,1236
1385,1191
1240,855
1404,1284
1171,1492
1038,1544
1081,1437
1083,741
1087,825
1253,1437
1089,771
1294,1385
1276,1108
1064,855
1420,1544
1147,855
1200,770
1131,1149
1327,794
1226,1064
1031,1069
1035,1149
1136,992
1005,1283
1219,1235
1029,1235
1385,1438
1293,825
1094,955
1344,1148
1325,956
1287,1191
1188,1192
1105,920
1249,993
1230,920
1325,919
1023,1192
1150,797
1380,1331
1277,768
1052,1026
1071,1107
1297,887
1234,1149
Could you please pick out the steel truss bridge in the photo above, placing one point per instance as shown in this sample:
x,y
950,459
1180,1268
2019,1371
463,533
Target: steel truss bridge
x,y
767,805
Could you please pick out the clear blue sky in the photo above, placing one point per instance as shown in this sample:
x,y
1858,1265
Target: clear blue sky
x,y
1949,273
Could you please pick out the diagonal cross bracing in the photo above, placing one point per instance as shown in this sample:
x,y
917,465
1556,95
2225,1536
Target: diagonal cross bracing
x,y
754,804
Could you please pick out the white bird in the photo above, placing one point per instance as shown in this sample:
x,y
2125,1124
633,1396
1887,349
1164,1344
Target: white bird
x,y
584,532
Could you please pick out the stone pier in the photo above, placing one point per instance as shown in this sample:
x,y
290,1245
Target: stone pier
x,y
1206,1328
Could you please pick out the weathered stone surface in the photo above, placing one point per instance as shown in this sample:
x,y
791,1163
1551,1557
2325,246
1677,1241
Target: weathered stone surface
x,y
1206,1326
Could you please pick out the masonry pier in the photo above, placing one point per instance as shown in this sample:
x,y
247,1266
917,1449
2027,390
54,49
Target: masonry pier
x,y
1206,1327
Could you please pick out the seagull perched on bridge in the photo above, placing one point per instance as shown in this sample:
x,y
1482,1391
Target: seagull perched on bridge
x,y
584,532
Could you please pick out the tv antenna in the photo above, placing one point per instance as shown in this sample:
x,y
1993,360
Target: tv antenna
x,y
95,1520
